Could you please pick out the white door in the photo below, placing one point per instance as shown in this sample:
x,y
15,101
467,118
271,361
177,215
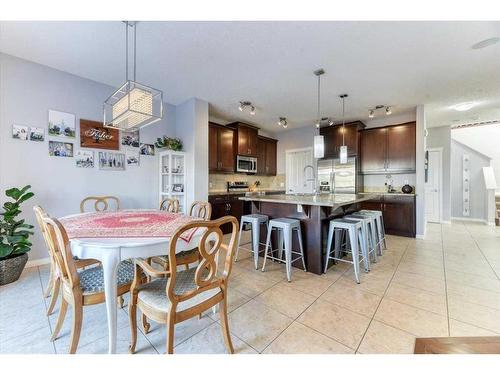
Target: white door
x,y
433,187
298,180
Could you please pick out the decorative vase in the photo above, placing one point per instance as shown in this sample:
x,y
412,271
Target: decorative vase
x,y
11,268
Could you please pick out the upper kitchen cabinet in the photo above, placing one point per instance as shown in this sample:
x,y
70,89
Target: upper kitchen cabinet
x,y
401,147
221,140
336,135
389,149
266,158
246,139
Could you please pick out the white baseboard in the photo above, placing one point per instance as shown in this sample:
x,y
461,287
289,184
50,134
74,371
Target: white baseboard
x,y
420,236
445,221
38,262
470,219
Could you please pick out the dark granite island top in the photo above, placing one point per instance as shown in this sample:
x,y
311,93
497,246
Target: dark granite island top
x,y
314,213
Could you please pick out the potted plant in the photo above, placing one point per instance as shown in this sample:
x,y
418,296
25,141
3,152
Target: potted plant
x,y
14,236
174,144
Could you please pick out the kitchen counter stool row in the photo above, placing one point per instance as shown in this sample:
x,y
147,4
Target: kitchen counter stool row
x,y
360,234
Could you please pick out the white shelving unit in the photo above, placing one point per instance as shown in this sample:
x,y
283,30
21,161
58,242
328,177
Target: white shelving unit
x,y
172,166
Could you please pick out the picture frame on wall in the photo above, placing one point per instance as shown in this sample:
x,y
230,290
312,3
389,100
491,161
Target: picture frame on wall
x,y
84,159
20,132
61,124
61,149
130,139
112,161
132,158
147,149
94,135
177,188
37,134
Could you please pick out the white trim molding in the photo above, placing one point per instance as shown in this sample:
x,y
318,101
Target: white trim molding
x,y
37,262
470,219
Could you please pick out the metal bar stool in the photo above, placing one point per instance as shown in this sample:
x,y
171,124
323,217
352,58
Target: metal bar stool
x,y
255,221
379,221
370,233
285,228
356,240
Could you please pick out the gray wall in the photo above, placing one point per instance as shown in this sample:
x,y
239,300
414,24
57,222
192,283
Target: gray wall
x,y
292,139
27,91
441,137
478,193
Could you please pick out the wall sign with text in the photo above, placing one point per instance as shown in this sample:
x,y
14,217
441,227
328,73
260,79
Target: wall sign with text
x,y
94,135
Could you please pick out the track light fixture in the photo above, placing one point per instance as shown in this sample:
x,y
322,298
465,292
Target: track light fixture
x,y
371,112
283,122
246,104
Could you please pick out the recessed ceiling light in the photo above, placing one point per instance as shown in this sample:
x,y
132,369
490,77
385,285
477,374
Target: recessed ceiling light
x,y
461,107
486,43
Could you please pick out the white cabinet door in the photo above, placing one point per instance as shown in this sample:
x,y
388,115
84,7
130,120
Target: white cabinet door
x,y
298,180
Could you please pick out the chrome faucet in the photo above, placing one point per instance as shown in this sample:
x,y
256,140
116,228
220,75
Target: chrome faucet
x,y
313,179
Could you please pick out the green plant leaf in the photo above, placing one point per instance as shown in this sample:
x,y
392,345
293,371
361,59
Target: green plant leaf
x,y
5,250
13,193
25,197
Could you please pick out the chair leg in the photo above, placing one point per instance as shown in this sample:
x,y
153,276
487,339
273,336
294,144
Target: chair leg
x,y
301,246
328,247
364,248
55,294
268,242
132,313
77,327
239,242
355,254
121,301
145,325
288,253
50,283
225,324
60,319
170,332
256,245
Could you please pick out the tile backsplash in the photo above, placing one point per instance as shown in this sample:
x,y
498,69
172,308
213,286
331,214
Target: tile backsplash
x,y
217,182
376,183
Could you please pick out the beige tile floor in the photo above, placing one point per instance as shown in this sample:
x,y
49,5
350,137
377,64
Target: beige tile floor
x,y
447,284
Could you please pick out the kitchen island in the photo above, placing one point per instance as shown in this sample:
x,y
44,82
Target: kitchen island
x,y
314,212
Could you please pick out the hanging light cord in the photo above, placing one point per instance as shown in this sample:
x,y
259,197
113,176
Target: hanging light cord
x,y
126,50
319,98
135,59
343,121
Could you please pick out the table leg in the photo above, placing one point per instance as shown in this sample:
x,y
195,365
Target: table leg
x,y
110,262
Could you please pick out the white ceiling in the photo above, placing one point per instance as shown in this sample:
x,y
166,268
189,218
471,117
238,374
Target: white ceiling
x,y
401,64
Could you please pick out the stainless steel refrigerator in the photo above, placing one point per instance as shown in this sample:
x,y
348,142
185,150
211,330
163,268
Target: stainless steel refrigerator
x,y
337,178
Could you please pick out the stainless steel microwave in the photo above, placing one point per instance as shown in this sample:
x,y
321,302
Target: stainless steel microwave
x,y
246,164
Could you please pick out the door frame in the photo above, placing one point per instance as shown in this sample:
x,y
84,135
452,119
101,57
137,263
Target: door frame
x,y
293,150
440,150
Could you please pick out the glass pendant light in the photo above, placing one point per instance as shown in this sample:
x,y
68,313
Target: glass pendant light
x,y
133,105
319,140
343,148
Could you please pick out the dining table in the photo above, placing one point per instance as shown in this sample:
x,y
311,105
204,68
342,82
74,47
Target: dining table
x,y
112,237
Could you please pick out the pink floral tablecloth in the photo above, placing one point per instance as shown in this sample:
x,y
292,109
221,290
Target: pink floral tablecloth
x,y
127,223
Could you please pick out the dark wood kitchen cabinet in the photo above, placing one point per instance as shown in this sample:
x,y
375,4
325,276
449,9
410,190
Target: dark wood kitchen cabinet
x,y
224,205
266,157
336,134
220,148
389,149
246,139
398,212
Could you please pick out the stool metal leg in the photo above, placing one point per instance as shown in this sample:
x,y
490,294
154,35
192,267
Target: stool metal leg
x,y
268,243
256,245
380,235
299,233
339,240
355,253
383,231
364,249
281,243
288,252
328,246
239,242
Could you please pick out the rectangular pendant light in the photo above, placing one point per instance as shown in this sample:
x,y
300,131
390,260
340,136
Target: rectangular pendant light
x,y
343,154
319,146
133,106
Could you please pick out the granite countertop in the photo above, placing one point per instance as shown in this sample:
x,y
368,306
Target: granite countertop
x,y
324,200
263,191
386,193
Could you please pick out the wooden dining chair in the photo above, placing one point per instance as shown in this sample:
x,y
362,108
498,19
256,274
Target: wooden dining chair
x,y
170,205
201,210
175,296
101,203
79,288
54,282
